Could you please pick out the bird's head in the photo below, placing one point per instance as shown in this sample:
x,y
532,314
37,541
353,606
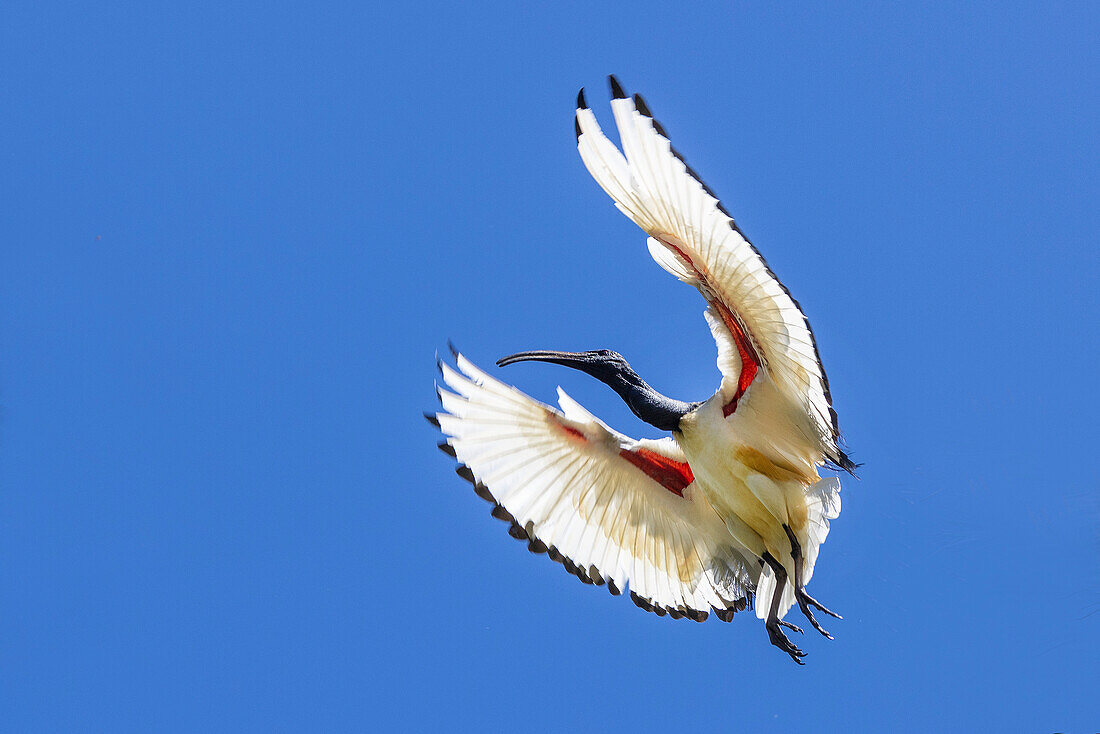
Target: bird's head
x,y
603,364
613,370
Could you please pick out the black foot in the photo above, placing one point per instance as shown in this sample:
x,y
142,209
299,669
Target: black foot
x,y
805,601
774,624
775,634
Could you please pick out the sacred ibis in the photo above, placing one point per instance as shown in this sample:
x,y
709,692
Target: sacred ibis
x,y
727,511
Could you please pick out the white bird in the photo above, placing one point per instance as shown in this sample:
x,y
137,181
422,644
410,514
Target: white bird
x,y
727,511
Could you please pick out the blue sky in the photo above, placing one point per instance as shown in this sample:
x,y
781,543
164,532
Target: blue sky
x,y
236,234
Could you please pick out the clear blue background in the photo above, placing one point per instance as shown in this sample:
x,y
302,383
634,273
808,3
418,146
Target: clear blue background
x,y
235,234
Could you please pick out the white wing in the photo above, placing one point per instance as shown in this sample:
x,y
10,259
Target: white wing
x,y
772,375
609,508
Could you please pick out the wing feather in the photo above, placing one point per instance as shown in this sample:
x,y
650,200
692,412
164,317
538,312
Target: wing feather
x,y
693,237
559,478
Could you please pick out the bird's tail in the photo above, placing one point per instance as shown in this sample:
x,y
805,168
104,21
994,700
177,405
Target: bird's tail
x,y
822,505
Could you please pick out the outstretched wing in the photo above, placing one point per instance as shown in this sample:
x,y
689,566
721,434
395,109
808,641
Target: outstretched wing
x,y
610,509
773,379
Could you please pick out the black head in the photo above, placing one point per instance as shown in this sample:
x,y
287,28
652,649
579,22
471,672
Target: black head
x,y
603,364
613,370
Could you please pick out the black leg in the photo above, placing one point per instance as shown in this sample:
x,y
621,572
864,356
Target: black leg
x,y
805,601
773,623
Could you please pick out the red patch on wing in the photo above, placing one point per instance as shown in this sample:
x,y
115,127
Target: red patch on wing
x,y
671,474
574,432
569,430
750,360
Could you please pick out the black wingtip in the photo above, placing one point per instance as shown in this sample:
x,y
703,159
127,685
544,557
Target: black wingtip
x,y
845,463
582,104
641,106
616,88
430,417
453,348
577,128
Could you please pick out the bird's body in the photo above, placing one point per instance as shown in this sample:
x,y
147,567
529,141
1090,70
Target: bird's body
x,y
728,510
743,483
754,493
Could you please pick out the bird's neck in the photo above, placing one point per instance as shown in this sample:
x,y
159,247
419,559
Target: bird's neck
x,y
651,406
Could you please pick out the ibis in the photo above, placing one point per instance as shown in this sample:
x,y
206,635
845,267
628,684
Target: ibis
x,y
728,510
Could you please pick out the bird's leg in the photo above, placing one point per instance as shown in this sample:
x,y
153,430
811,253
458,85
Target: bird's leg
x,y
773,623
805,601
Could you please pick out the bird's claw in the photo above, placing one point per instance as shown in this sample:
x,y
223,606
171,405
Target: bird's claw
x,y
775,634
805,601
810,600
788,625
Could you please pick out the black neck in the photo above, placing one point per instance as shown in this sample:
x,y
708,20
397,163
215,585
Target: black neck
x,y
651,406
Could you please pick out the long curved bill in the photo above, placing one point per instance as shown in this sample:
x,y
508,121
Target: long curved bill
x,y
568,359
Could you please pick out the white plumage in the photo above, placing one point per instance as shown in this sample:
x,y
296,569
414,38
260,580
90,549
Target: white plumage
x,y
611,520
729,509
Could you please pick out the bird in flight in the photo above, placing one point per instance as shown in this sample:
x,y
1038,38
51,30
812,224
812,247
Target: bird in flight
x,y
729,510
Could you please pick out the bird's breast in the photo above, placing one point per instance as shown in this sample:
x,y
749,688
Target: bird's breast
x,y
737,478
